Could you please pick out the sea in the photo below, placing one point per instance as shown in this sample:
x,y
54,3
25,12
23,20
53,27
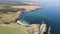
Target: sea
x,y
49,13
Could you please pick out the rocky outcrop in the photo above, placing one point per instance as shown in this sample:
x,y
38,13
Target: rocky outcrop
x,y
39,29
8,18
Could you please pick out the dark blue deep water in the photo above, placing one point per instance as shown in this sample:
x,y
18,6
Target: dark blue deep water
x,y
49,13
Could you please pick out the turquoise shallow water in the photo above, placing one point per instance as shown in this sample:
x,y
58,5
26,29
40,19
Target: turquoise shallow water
x,y
50,13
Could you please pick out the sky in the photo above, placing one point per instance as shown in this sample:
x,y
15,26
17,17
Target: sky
x,y
18,0
32,0
51,1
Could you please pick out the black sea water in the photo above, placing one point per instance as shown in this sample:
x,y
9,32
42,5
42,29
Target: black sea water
x,y
50,13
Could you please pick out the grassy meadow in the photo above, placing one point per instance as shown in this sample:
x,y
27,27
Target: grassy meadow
x,y
12,29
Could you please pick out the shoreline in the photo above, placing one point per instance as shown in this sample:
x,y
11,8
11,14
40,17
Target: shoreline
x,y
18,22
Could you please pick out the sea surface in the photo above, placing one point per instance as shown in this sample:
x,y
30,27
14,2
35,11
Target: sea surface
x,y
49,13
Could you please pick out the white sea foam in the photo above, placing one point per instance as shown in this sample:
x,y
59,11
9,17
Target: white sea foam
x,y
21,23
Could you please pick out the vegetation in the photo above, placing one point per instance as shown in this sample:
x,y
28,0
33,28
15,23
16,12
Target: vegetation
x,y
12,29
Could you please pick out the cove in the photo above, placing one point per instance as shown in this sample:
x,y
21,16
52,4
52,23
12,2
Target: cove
x,y
50,13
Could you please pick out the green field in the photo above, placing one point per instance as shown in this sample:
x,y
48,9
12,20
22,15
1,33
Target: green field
x,y
12,29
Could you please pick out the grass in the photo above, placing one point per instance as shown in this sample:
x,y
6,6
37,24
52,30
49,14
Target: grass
x,y
12,29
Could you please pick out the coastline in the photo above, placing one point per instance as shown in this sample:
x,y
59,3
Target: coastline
x,y
27,9
14,15
20,23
